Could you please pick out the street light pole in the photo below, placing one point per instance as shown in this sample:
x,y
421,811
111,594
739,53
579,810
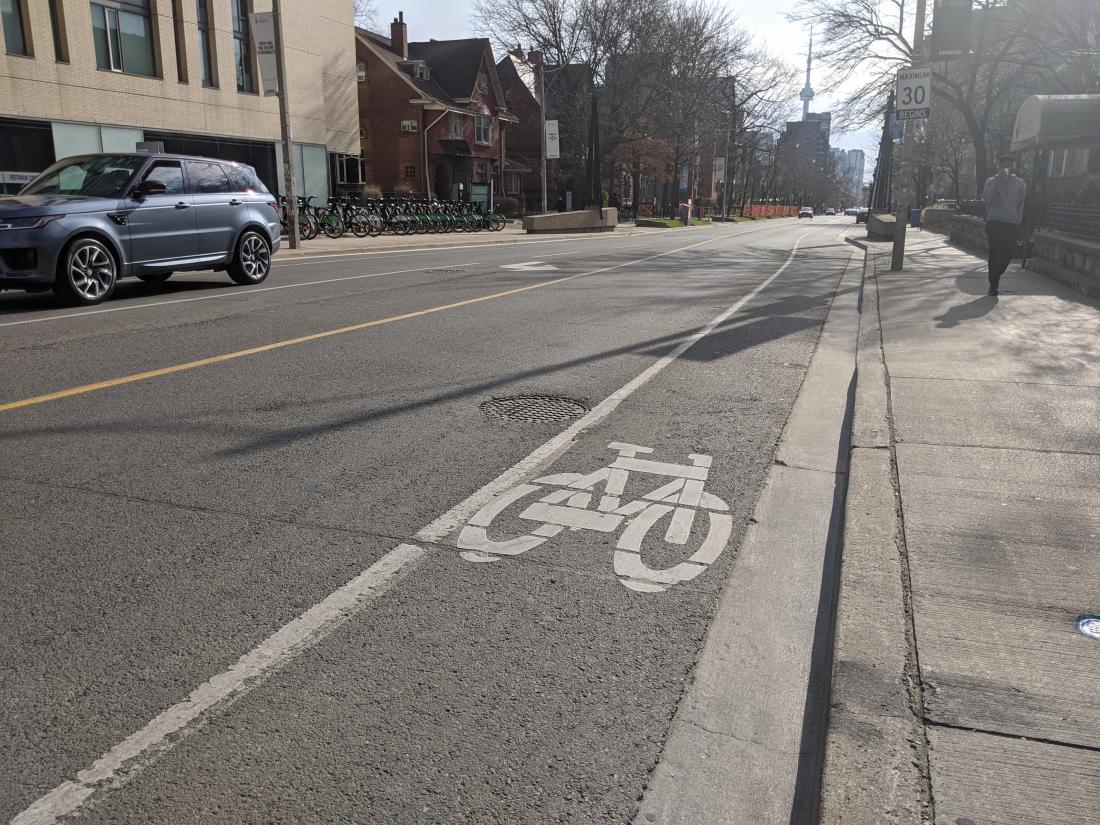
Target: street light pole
x,y
292,231
542,113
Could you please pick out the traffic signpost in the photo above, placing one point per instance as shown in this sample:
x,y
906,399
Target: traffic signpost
x,y
913,94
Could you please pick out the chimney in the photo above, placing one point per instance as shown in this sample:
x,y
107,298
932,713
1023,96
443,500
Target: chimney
x,y
399,36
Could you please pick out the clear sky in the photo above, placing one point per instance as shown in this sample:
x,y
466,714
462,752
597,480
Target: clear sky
x,y
443,19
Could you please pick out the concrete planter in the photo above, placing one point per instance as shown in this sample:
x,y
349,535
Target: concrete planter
x,y
585,220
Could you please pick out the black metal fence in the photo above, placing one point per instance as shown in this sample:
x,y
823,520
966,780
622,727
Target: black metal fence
x,y
1077,221
973,208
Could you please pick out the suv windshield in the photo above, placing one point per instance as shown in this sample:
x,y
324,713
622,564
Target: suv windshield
x,y
98,176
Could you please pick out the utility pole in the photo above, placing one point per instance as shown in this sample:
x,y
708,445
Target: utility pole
x,y
728,176
288,141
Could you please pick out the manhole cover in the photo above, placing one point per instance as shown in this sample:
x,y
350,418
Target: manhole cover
x,y
534,408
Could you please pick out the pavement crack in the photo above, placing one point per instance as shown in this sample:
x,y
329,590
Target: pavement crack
x,y
748,740
1006,735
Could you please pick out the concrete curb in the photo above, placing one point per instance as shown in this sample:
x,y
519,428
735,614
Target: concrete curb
x,y
875,749
285,254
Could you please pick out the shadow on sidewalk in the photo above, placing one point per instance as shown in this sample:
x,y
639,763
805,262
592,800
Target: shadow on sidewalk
x,y
966,312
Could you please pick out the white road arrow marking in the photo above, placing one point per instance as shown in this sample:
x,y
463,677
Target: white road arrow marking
x,y
530,266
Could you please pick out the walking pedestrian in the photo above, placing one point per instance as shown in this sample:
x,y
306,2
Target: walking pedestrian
x,y
1004,196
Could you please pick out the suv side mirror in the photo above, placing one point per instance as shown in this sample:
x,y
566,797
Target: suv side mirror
x,y
150,187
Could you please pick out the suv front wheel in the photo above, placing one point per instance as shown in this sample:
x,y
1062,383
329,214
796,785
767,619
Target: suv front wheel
x,y
252,263
86,273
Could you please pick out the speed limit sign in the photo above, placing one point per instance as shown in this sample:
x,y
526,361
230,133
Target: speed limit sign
x,y
912,97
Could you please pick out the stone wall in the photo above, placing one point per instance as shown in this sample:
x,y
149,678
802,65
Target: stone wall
x,y
968,233
1073,261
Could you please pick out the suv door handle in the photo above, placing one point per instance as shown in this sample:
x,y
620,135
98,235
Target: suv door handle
x,y
183,205
234,202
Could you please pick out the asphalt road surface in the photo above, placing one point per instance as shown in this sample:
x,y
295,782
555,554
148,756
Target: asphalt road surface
x,y
267,557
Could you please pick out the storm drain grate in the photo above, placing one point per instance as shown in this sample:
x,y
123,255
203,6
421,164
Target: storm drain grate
x,y
536,408
446,271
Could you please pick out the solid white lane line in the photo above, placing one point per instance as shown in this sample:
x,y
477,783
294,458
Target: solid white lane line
x,y
235,294
167,729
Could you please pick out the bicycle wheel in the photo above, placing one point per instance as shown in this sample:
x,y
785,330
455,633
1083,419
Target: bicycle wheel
x,y
306,227
375,226
496,222
333,225
358,224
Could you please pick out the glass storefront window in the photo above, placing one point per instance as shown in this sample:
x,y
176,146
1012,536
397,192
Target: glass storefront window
x,y
15,38
26,148
123,38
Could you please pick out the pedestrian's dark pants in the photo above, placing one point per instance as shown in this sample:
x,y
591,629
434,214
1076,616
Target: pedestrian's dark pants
x,y
1002,246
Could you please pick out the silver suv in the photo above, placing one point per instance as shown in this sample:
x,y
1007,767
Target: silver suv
x,y
91,219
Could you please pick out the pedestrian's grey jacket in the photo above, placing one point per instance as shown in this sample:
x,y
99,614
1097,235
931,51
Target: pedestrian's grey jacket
x,y
1004,199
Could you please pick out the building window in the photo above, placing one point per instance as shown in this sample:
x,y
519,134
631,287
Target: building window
x,y
456,124
123,38
57,26
410,172
348,169
361,72
421,72
242,48
483,130
482,83
206,44
16,40
181,43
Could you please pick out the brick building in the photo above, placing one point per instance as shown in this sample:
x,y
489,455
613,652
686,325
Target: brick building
x,y
523,162
80,76
433,117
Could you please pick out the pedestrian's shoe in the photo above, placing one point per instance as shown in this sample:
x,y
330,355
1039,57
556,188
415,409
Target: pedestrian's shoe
x,y
992,291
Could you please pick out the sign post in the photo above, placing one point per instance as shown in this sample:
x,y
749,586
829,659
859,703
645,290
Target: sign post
x,y
913,94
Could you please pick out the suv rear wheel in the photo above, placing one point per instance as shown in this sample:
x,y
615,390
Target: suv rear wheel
x,y
252,262
86,272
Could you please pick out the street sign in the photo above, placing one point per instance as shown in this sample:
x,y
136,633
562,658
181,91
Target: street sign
x,y
951,28
553,149
719,170
263,36
912,98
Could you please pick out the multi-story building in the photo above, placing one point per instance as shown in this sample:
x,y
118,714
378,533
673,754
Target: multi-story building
x,y
433,115
850,165
80,76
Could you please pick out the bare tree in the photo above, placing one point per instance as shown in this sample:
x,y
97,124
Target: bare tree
x,y
366,13
866,42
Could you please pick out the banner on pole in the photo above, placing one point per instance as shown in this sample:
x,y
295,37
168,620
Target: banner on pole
x,y
553,149
719,170
263,39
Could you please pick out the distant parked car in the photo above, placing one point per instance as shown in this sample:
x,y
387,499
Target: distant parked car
x,y
89,220
862,214
830,211
851,211
806,212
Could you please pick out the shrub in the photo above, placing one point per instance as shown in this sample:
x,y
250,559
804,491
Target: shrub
x,y
370,191
509,207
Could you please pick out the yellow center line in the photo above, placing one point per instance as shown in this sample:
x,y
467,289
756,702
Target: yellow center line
x,y
317,336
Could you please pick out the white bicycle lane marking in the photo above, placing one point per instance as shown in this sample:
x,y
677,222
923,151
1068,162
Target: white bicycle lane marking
x,y
567,505
172,725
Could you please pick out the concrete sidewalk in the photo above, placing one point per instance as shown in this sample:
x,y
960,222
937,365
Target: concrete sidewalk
x,y
511,234
962,691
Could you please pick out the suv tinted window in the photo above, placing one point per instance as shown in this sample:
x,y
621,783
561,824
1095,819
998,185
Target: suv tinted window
x,y
244,179
170,173
207,178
